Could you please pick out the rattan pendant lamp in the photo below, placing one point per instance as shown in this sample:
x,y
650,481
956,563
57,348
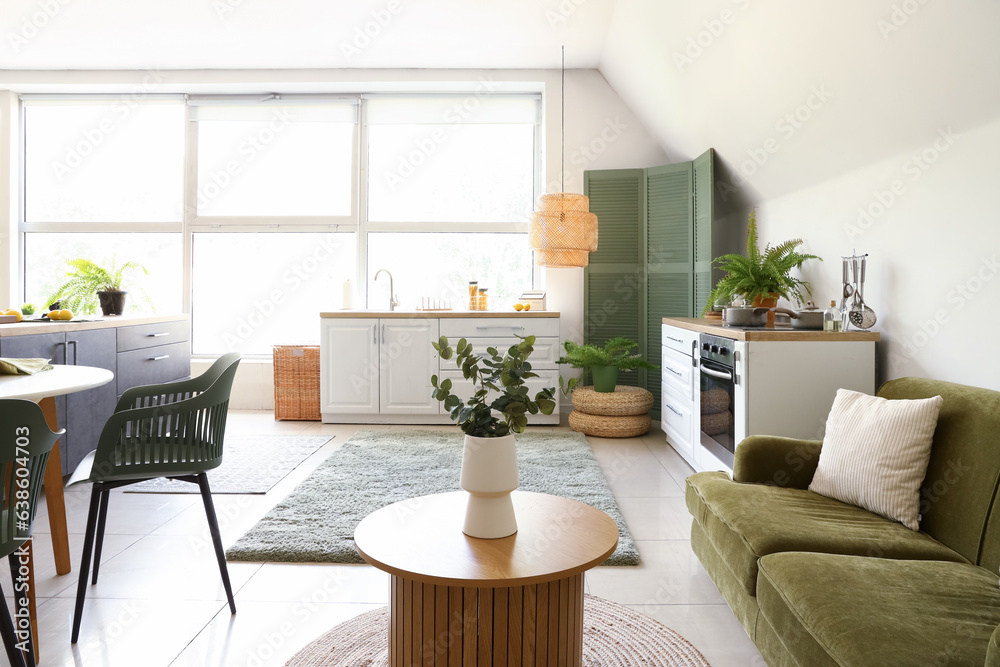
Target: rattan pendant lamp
x,y
563,231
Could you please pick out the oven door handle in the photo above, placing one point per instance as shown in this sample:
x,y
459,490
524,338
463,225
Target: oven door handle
x,y
716,374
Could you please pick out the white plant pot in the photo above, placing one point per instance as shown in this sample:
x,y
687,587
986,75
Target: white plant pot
x,y
489,474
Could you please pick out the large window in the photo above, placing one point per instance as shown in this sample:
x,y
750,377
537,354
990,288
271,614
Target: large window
x,y
288,197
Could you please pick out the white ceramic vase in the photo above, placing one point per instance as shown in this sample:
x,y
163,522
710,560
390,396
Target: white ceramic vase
x,y
489,474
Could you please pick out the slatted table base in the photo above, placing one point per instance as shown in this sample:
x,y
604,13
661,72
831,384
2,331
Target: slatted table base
x,y
539,625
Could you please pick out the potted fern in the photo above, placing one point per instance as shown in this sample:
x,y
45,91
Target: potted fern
x,y
760,276
90,284
489,421
604,362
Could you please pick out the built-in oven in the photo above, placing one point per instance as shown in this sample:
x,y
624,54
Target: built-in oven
x,y
720,394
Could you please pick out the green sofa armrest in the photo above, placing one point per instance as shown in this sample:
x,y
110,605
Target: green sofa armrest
x,y
768,459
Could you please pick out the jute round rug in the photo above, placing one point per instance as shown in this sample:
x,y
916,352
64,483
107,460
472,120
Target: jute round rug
x,y
613,636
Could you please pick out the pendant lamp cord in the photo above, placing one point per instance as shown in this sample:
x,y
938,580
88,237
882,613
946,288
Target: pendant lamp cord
x,y
562,123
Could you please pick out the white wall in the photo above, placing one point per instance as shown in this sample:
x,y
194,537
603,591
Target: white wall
x,y
886,92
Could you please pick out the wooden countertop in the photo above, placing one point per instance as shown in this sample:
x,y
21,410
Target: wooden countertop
x,y
778,333
84,323
410,314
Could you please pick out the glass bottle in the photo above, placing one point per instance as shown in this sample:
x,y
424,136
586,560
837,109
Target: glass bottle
x,y
832,318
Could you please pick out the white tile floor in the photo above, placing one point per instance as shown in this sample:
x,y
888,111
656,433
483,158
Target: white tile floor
x,y
159,600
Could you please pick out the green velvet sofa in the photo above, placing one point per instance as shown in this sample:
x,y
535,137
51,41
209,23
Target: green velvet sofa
x,y
818,582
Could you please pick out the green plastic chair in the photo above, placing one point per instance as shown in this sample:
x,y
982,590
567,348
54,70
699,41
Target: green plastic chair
x,y
173,430
25,444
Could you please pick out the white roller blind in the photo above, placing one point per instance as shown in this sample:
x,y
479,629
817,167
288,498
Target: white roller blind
x,y
478,107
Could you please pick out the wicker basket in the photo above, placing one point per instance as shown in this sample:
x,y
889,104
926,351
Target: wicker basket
x,y
609,426
625,400
296,382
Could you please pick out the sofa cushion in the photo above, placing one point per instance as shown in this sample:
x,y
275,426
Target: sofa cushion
x,y
875,453
870,611
747,521
959,490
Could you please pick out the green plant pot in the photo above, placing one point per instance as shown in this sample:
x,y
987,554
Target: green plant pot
x,y
605,378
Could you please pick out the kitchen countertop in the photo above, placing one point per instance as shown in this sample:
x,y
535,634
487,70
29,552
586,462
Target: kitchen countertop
x,y
410,314
777,333
86,322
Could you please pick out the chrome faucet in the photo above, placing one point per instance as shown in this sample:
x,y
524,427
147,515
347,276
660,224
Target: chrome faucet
x,y
393,301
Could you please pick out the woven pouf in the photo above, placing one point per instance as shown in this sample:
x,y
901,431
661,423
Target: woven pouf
x,y
623,401
609,426
716,422
613,636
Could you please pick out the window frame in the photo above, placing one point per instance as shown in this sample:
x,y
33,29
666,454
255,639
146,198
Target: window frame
x,y
191,223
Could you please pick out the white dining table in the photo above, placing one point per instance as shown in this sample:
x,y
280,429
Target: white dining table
x,y
42,388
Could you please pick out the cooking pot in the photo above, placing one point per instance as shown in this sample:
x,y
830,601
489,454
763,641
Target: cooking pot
x,y
747,316
807,318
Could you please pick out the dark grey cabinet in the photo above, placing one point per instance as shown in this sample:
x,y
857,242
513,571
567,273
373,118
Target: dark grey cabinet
x,y
87,411
83,414
136,354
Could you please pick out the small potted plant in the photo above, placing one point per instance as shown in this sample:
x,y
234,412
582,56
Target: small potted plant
x,y
604,362
760,276
498,408
90,284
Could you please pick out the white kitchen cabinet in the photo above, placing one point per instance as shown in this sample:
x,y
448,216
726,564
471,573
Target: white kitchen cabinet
x,y
780,381
377,370
679,397
348,358
378,366
406,363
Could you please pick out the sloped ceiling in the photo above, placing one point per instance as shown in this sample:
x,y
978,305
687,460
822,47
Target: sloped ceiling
x,y
865,79
291,34
789,92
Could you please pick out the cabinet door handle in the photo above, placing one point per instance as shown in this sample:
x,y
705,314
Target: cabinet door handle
x,y
64,351
76,351
512,328
375,334
677,373
383,333
157,358
158,334
676,340
673,409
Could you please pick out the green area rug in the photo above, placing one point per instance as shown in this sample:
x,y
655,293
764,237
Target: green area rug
x,y
250,464
315,523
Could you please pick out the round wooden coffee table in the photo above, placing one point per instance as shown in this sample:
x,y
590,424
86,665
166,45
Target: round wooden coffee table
x,y
460,600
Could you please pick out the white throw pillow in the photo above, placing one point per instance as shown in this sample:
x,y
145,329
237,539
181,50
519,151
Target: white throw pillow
x,y
875,453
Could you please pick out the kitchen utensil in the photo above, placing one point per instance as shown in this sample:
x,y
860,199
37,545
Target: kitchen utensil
x,y
807,318
856,314
746,316
868,318
861,315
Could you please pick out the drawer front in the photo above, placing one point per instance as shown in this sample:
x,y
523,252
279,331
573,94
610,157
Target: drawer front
x,y
676,419
679,339
495,327
678,373
543,356
153,365
150,335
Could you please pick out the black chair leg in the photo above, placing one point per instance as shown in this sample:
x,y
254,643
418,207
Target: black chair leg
x,y
213,527
88,547
14,654
102,519
21,611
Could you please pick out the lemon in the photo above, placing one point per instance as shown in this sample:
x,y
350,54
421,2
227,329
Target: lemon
x,y
518,306
527,306
15,313
65,314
